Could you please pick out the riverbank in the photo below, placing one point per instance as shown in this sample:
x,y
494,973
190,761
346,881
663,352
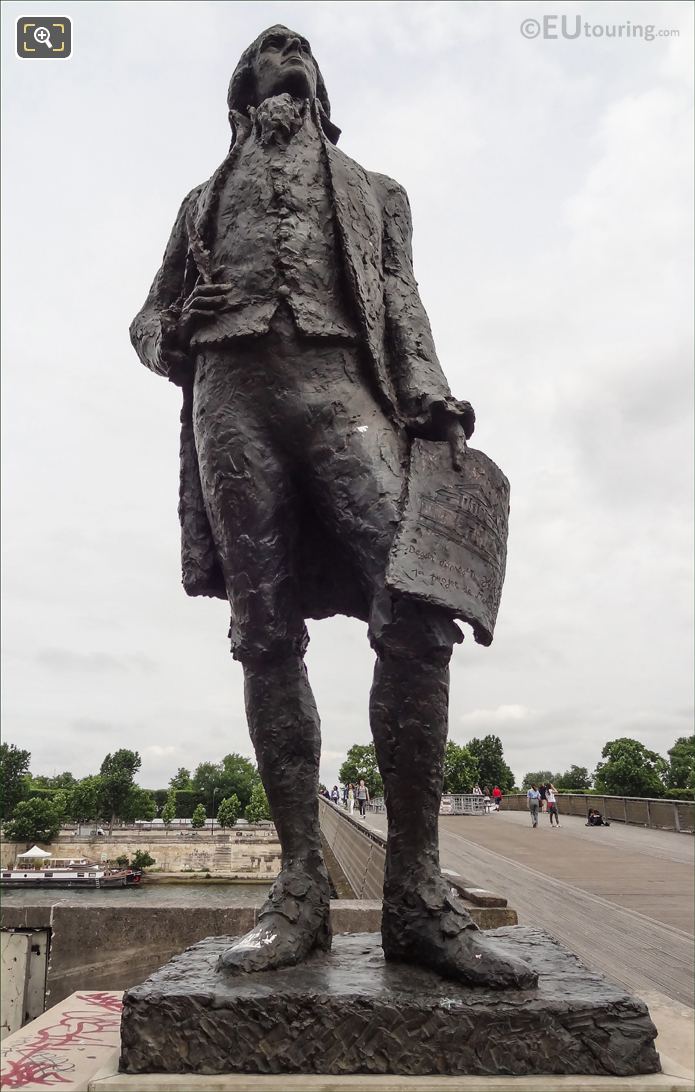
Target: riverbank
x,y
245,855
192,878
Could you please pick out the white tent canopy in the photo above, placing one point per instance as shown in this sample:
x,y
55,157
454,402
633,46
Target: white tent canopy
x,y
35,854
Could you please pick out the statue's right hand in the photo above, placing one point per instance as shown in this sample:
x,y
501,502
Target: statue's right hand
x,y
204,302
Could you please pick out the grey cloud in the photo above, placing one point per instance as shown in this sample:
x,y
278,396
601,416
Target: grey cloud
x,y
63,659
550,187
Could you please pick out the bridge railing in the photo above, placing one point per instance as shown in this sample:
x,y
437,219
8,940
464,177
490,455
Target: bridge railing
x,y
463,804
678,815
361,854
451,804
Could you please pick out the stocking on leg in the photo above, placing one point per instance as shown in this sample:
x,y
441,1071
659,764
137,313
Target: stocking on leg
x,y
422,921
285,730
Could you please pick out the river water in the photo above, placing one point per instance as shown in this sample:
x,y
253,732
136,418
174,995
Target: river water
x,y
150,894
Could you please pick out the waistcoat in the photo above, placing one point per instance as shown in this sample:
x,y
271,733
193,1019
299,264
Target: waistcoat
x,y
275,239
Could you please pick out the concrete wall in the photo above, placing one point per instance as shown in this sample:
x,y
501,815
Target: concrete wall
x,y
248,855
111,947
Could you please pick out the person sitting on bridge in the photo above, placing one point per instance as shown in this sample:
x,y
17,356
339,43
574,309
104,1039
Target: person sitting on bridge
x,y
595,819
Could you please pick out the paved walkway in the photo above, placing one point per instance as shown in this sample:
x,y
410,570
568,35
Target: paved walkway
x,y
620,897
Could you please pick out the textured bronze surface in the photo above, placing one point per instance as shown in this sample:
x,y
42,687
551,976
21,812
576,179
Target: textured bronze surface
x,y
451,545
350,1012
287,310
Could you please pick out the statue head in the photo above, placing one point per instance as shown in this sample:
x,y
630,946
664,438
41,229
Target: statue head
x,y
280,60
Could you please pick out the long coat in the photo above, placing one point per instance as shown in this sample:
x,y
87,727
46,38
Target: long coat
x,y
375,230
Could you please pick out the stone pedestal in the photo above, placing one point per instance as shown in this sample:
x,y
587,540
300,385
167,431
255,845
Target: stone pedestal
x,y
349,1011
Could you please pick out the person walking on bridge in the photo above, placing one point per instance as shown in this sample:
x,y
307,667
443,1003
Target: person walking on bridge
x,y
362,798
552,804
533,797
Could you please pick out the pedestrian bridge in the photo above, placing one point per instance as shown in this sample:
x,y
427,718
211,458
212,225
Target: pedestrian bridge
x,y
620,897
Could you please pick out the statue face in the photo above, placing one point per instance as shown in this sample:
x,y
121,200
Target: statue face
x,y
284,63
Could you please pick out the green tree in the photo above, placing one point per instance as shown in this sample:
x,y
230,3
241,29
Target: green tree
x,y
491,765
258,808
118,772
460,769
186,800
169,809
181,779
34,820
239,778
64,780
37,781
14,768
220,780
630,769
142,859
60,803
206,779
541,777
360,764
229,811
681,766
86,799
199,817
577,778
139,804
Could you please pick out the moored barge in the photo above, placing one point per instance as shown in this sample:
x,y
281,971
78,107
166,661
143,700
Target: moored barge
x,y
38,868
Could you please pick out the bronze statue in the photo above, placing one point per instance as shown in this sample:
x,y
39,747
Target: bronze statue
x,y
287,310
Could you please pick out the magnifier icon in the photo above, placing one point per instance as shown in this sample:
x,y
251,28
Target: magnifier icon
x,y
42,35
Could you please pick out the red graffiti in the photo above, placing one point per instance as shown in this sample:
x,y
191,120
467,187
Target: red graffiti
x,y
40,1059
102,1000
36,1068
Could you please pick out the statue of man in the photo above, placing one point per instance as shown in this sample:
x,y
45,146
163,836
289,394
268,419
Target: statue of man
x,y
287,310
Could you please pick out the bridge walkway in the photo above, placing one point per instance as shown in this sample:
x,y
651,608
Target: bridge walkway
x,y
620,897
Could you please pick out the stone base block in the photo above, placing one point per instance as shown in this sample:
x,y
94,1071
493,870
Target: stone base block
x,y
349,1011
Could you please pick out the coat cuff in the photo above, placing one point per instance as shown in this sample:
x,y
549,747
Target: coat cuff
x,y
176,363
423,414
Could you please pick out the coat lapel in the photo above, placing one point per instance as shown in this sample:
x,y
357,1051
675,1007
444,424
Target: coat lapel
x,y
358,215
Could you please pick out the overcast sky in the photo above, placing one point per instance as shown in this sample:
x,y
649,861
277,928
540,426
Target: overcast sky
x,y
550,182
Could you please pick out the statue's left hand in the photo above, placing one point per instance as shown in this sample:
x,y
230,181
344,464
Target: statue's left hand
x,y
456,438
448,421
